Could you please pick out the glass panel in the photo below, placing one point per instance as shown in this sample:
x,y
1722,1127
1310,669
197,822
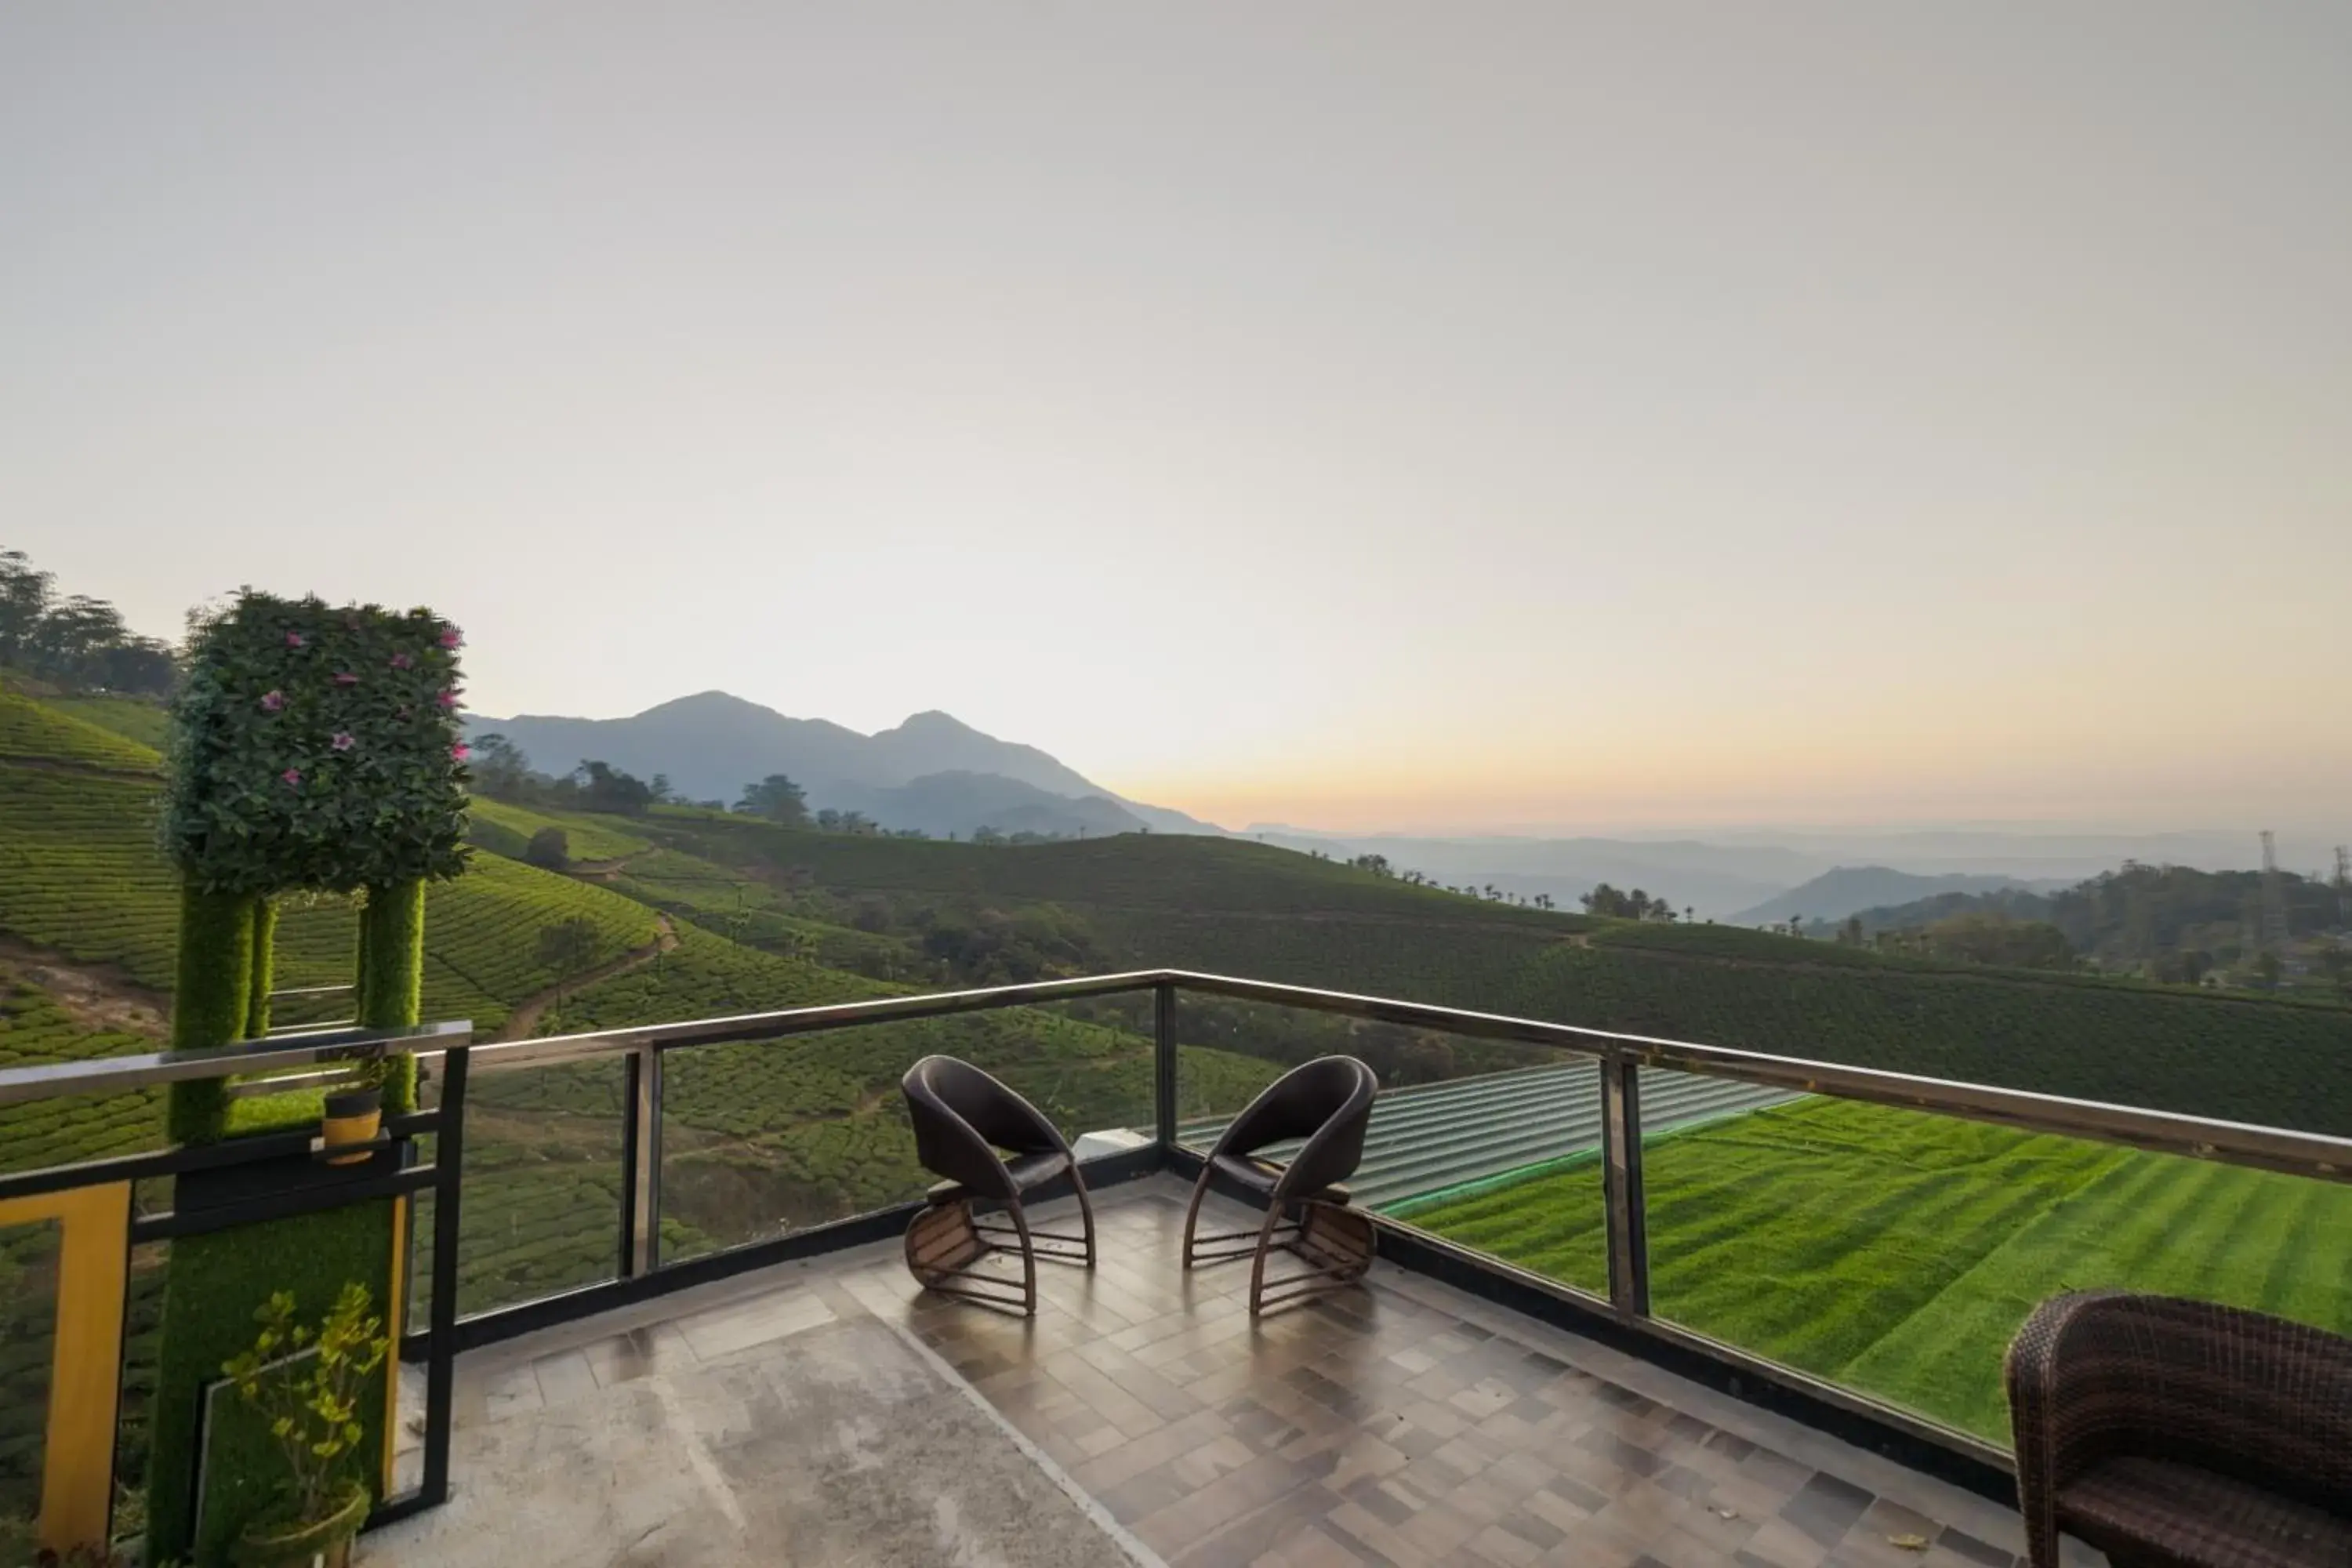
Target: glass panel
x,y
28,1305
142,1337
543,1185
766,1137
1903,1249
1490,1143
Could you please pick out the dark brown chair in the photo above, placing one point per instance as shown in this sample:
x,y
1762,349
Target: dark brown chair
x,y
2171,1432
1328,1103
961,1118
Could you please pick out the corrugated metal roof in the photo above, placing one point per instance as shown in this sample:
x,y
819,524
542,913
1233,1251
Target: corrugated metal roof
x,y
1430,1137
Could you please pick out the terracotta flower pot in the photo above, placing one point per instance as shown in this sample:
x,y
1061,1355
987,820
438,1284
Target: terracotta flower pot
x,y
352,1117
321,1543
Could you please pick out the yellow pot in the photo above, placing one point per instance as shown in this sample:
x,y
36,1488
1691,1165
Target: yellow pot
x,y
353,1115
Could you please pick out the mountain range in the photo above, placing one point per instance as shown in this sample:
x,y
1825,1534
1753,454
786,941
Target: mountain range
x,y
936,774
932,772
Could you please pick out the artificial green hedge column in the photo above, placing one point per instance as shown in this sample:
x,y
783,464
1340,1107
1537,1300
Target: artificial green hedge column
x,y
265,939
392,976
210,1002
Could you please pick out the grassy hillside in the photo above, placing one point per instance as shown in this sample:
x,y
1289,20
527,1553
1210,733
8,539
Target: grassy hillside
x,y
1245,909
1898,1252
40,731
133,717
506,829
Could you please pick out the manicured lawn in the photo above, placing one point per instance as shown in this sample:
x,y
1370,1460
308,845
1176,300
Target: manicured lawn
x,y
1897,1252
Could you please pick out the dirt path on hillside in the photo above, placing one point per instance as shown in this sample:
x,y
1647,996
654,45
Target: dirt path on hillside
x,y
597,870
530,1009
98,996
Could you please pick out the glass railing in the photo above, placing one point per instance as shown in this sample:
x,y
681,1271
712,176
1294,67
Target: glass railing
x,y
1877,1237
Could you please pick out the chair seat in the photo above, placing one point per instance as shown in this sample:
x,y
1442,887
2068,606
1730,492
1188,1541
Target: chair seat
x,y
1028,1172
1258,1177
2164,1509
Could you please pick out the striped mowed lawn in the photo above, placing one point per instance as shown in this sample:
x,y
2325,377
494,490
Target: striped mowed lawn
x,y
1897,1252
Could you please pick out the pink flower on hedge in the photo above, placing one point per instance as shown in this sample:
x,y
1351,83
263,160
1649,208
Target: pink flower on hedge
x,y
461,751
345,678
448,698
293,639
344,740
400,661
292,776
271,701
449,637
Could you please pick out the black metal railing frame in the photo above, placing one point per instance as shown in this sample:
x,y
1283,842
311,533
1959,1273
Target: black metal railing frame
x,y
640,1271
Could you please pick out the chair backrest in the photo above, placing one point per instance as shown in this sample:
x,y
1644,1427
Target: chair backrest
x,y
1328,1102
961,1117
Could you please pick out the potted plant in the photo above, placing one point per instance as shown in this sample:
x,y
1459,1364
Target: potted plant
x,y
354,1114
307,1388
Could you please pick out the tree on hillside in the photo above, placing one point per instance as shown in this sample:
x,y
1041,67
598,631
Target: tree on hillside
x,y
1636,905
550,849
81,643
659,784
604,787
1976,937
500,769
1378,865
778,799
568,947
1850,933
24,600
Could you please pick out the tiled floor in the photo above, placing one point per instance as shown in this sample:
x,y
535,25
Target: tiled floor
x,y
1401,1422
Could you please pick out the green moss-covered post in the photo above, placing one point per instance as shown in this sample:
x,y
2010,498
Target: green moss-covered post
x,y
392,976
264,944
313,749
210,1001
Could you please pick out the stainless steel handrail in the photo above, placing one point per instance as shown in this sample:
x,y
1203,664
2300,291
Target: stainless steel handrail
x,y
2273,1147
116,1075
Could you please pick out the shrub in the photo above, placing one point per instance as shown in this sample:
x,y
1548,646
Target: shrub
x,y
549,850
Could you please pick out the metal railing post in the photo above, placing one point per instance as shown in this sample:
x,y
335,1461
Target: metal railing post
x,y
1621,1179
1163,1063
441,1356
641,1151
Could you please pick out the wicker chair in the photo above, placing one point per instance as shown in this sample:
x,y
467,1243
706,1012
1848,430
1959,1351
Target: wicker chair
x,y
2171,1432
1328,1104
961,1118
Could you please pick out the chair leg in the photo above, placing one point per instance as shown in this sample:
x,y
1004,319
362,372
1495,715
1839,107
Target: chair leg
x,y
1028,1259
1257,1258
1193,1213
1085,1210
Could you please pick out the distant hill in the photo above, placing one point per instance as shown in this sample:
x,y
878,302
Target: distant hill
x,y
932,772
1710,878
1849,889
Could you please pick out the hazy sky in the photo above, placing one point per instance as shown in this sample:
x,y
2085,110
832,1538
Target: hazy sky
x,y
1358,415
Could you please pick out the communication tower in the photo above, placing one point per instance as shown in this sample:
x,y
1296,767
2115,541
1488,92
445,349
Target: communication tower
x,y
2273,897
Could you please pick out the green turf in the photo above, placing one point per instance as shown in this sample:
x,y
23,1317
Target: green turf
x,y
1897,1252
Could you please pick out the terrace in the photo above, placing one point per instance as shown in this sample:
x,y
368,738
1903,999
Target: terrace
x,y
718,1372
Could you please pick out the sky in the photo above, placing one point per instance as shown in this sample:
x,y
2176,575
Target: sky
x,y
1358,415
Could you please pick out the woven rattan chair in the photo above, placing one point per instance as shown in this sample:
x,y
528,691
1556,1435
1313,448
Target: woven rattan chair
x,y
961,1118
2181,1432
1328,1102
